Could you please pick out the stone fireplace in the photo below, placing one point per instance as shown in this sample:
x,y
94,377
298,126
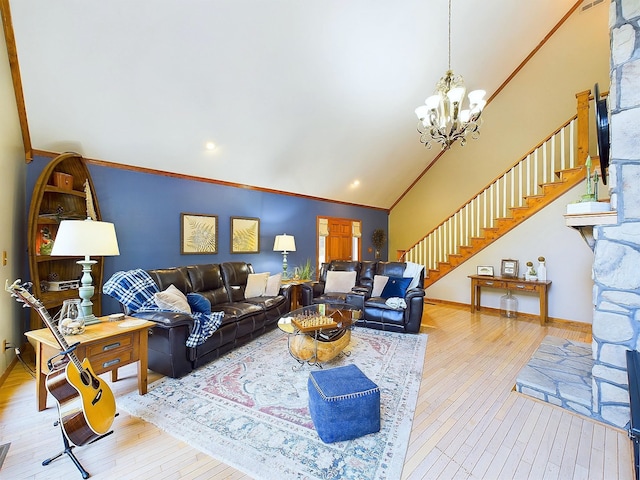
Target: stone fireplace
x,y
616,267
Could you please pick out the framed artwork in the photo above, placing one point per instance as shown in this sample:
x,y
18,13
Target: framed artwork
x,y
509,268
485,270
245,235
198,233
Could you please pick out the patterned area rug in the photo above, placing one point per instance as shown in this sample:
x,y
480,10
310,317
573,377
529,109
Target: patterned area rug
x,y
249,409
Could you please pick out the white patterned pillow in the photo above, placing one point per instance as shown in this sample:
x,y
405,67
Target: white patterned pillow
x,y
256,285
172,299
273,285
379,281
339,282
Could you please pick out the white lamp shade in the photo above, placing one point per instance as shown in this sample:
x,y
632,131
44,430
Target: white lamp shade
x,y
422,111
476,96
456,94
432,102
282,243
85,238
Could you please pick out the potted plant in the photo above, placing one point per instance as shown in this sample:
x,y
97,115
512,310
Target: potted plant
x,y
378,239
304,271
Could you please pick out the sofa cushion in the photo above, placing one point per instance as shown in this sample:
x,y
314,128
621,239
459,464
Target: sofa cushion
x,y
273,285
234,275
172,299
198,303
379,282
177,276
205,277
340,282
256,285
396,287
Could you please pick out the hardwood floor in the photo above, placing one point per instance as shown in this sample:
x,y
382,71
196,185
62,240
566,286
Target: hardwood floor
x,y
469,423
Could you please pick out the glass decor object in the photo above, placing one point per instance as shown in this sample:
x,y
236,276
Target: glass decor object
x,y
71,318
508,305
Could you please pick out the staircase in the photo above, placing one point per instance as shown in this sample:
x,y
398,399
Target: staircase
x,y
551,169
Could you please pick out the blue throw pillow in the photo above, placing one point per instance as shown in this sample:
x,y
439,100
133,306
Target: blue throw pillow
x,y
396,287
198,303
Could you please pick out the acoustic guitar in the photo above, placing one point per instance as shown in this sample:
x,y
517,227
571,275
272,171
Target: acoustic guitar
x,y
86,404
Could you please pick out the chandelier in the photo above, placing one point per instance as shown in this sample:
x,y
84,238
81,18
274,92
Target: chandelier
x,y
441,118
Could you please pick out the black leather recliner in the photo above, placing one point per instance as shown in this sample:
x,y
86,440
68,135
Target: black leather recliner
x,y
376,313
314,292
379,315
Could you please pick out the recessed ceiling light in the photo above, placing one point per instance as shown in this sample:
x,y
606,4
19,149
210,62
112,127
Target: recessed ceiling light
x,y
356,183
210,146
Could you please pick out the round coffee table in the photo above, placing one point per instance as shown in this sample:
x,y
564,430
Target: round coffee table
x,y
319,333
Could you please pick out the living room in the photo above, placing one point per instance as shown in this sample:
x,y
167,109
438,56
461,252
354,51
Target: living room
x,y
149,231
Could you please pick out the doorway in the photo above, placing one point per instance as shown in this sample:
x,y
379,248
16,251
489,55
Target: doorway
x,y
338,239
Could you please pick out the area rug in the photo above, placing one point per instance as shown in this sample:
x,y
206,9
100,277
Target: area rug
x,y
248,409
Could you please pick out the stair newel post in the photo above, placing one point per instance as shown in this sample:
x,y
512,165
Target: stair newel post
x,y
583,126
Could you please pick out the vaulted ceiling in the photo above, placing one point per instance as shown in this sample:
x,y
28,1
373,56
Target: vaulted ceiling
x,y
300,96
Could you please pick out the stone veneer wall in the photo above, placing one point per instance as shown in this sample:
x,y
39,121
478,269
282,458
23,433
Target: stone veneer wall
x,y
616,268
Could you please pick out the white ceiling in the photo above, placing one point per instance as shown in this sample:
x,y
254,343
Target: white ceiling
x,y
300,96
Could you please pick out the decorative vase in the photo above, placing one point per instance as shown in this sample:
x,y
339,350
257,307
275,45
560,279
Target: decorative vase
x,y
508,305
542,271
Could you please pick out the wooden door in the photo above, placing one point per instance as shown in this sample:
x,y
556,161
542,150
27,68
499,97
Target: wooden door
x,y
340,240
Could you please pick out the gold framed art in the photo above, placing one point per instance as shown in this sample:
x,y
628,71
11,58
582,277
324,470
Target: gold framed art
x,y
198,233
245,235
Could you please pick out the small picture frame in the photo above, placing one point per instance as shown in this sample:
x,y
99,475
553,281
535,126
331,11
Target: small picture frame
x,y
485,270
199,234
245,235
509,268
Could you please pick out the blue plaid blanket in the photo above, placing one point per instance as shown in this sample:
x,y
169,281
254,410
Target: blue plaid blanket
x,y
135,289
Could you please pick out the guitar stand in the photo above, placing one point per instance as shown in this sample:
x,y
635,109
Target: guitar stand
x,y
68,449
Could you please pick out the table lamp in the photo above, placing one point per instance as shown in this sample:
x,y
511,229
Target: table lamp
x,y
86,238
285,244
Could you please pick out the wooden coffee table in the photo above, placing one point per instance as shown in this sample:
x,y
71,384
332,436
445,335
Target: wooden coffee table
x,y
107,345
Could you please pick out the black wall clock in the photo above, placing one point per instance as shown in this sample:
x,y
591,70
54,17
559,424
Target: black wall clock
x,y
602,129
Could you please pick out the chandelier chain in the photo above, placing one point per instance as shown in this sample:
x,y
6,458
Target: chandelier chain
x,y
449,34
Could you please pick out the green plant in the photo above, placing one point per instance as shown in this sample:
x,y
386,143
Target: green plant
x,y
304,271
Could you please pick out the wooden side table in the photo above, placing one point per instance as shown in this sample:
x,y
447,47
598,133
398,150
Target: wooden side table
x,y
296,292
516,284
107,345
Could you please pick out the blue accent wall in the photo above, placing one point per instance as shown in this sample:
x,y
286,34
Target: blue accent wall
x,y
146,208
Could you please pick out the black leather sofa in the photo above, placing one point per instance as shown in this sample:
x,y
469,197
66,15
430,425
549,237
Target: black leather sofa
x,y
223,285
376,313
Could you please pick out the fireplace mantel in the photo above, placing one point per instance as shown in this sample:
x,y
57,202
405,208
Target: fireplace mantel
x,y
584,223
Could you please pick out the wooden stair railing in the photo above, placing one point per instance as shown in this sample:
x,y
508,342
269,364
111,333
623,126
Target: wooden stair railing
x,y
541,176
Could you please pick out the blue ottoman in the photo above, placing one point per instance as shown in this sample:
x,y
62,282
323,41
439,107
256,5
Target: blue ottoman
x,y
343,403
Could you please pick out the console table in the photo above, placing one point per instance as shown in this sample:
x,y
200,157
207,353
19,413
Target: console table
x,y
107,345
516,284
